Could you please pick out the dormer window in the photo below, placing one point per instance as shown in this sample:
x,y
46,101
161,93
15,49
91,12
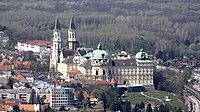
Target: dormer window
x,y
103,56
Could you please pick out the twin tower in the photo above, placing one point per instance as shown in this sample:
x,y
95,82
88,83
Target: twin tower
x,y
57,49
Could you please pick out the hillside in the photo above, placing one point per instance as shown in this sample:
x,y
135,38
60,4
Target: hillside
x,y
162,27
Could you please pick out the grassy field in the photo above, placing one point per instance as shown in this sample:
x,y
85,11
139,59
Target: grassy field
x,y
175,102
136,97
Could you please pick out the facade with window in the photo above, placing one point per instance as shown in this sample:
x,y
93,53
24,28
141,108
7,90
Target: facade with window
x,y
36,46
128,72
22,95
64,97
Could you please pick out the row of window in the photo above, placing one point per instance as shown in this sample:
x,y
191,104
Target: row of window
x,y
135,77
136,82
28,45
64,98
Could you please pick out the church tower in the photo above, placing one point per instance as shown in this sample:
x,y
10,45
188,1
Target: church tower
x,y
57,42
71,41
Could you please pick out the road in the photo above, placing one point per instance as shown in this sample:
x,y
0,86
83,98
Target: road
x,y
195,104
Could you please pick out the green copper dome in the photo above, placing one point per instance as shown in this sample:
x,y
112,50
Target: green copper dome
x,y
141,55
99,54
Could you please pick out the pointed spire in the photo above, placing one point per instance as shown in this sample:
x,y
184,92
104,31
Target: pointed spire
x,y
72,24
99,46
57,24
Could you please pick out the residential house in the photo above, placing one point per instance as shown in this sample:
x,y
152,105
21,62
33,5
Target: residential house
x,y
5,71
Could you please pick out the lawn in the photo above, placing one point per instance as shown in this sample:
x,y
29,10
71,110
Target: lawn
x,y
175,102
136,97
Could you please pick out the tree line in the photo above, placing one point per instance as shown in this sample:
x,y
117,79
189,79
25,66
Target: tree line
x,y
170,26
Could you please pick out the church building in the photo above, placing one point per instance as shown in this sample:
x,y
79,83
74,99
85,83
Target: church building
x,y
126,71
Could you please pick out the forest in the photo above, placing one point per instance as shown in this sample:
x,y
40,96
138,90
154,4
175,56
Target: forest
x,y
165,28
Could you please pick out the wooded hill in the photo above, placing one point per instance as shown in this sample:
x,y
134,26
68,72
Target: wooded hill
x,y
168,28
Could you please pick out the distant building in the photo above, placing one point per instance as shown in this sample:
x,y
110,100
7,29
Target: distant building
x,y
5,71
64,97
3,38
36,46
22,95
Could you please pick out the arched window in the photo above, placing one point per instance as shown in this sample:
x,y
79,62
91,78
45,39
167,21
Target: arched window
x,y
97,72
104,72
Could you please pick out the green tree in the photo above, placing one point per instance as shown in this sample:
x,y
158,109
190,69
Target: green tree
x,y
179,110
16,108
96,93
62,108
47,109
115,105
86,102
185,75
149,108
126,107
80,96
137,108
142,105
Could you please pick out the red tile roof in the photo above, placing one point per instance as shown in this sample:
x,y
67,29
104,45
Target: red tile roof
x,y
73,73
12,103
102,82
127,62
4,107
5,68
39,42
18,77
16,63
26,64
113,81
27,107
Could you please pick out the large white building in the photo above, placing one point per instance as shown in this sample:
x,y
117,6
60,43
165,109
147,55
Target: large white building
x,y
128,72
36,46
64,97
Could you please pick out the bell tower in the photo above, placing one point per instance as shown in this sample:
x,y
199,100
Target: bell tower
x,y
71,41
57,45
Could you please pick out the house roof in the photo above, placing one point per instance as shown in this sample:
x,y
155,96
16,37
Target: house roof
x,y
39,43
5,68
12,103
86,63
73,72
102,82
68,53
27,107
3,80
26,64
18,77
68,60
113,81
127,62
4,107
